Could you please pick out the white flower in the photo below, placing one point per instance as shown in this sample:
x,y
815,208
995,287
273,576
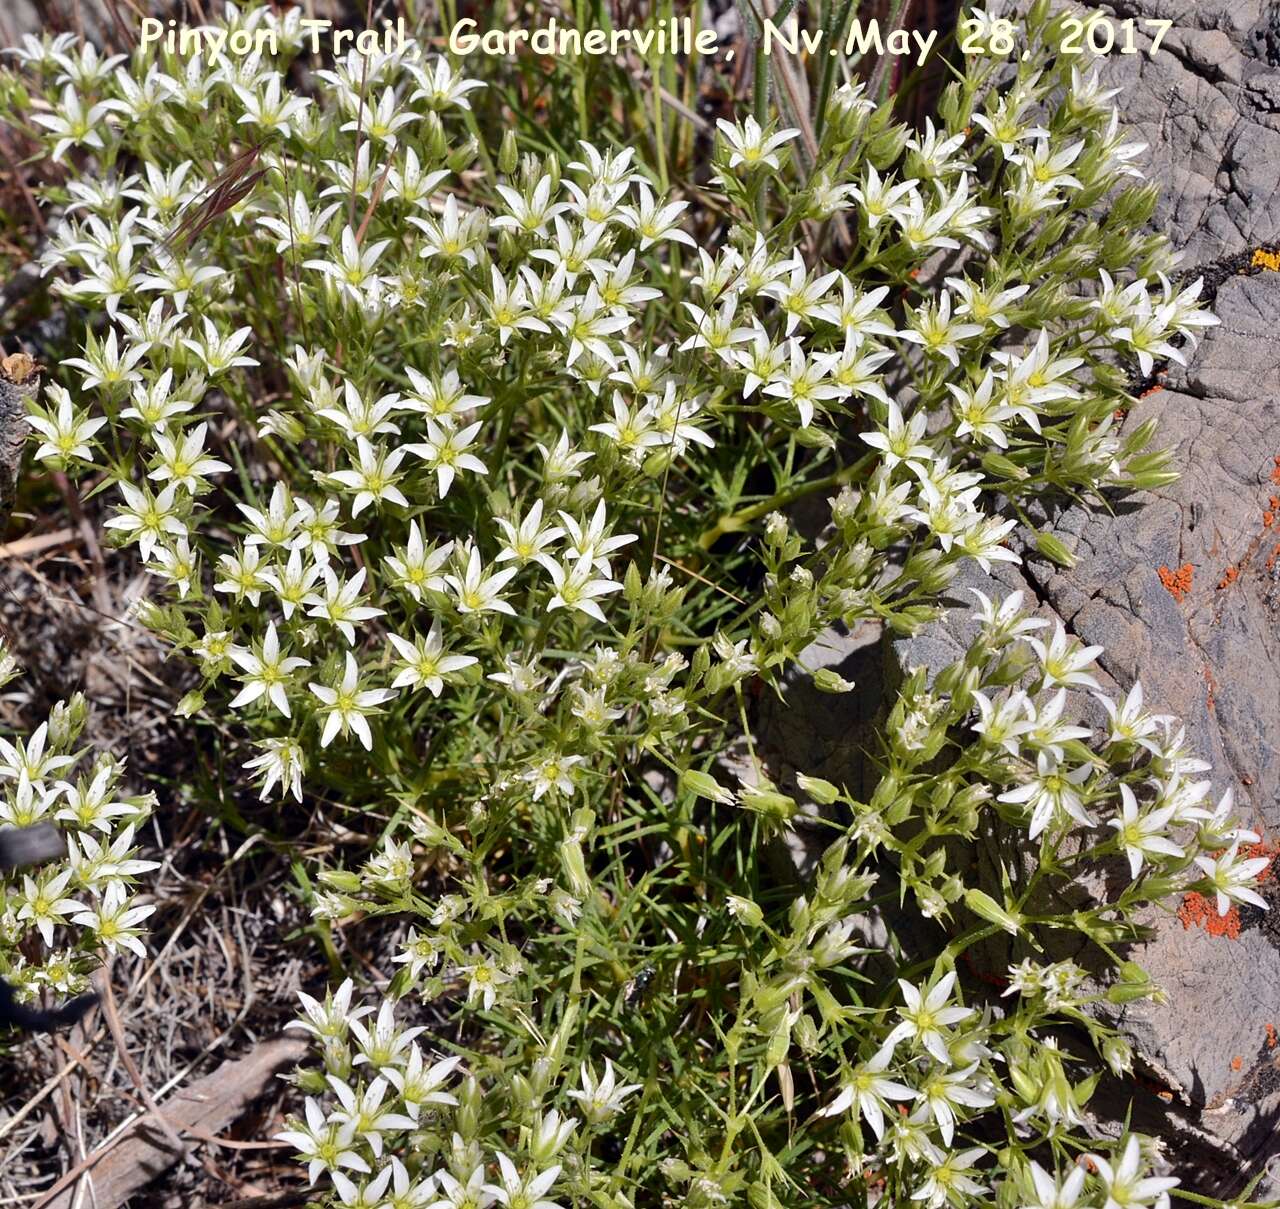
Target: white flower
x,y
266,672
458,1195
530,211
292,583
275,526
1049,1194
68,432
415,567
301,228
114,921
325,1145
902,441
365,1114
442,87
528,539
445,451
42,902
282,760
1049,791
420,1084
750,145
1126,1187
373,478
653,222
30,760
382,122
73,124
383,1047
590,540
868,1091
270,109
949,1182
1142,836
345,706
218,352
881,197
555,772
942,1090
352,271
340,605
183,461
484,977
147,518
331,1019
1064,660
1229,876
577,587
601,1100
477,592
926,1014
424,661
523,1192
452,236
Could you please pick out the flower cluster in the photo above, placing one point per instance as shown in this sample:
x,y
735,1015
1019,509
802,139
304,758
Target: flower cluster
x,y
388,1125
60,919
484,483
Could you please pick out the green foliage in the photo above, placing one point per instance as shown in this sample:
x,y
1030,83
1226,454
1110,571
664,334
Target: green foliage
x,y
473,477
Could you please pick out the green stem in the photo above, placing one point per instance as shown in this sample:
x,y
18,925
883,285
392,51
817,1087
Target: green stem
x,y
735,522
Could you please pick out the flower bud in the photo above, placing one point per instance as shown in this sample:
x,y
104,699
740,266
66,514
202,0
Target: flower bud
x,y
574,866
464,156
768,802
982,904
1118,1055
1001,467
66,721
822,792
744,910
1054,550
827,681
508,153
343,880
704,785
779,1042
806,1034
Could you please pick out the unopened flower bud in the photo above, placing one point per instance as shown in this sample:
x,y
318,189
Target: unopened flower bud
x,y
1118,1055
827,681
508,153
822,792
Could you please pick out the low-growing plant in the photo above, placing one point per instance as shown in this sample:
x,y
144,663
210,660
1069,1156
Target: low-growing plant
x,y
61,919
475,484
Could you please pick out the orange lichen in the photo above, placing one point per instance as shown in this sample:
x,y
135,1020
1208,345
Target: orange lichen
x,y
1275,474
1198,910
1229,576
1177,583
1237,1062
1265,259
1272,1039
1151,390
